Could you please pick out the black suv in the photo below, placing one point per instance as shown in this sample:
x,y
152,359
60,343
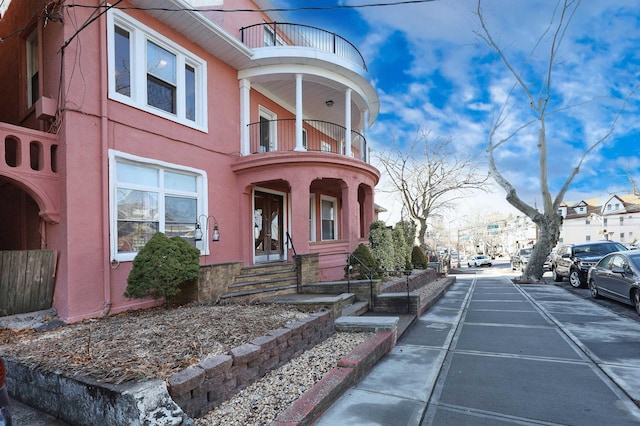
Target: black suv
x,y
574,260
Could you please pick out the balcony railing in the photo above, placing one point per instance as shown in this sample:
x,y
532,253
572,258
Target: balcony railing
x,y
30,151
280,135
286,34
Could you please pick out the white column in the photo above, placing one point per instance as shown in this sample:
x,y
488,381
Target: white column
x,y
347,125
364,149
299,146
245,116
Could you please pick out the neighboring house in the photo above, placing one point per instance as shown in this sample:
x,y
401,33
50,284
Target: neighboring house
x,y
616,218
120,122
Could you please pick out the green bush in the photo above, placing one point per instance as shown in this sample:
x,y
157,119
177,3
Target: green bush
x,y
418,258
381,244
355,270
161,266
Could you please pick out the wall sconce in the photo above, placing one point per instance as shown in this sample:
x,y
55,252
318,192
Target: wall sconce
x,y
329,103
197,233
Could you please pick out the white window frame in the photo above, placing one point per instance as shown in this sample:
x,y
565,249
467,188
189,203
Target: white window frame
x,y
201,191
325,146
312,218
273,126
33,68
333,200
139,35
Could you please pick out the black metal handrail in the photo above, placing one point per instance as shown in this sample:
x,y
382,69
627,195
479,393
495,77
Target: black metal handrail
x,y
270,34
289,240
369,272
324,136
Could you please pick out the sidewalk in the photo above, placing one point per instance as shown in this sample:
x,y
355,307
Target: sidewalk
x,y
491,352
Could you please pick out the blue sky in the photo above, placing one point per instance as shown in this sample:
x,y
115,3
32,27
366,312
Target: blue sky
x,y
433,73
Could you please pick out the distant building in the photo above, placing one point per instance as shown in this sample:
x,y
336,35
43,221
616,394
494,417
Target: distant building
x,y
617,218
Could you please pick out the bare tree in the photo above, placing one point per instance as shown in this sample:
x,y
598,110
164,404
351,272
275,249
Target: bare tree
x,y
548,220
428,177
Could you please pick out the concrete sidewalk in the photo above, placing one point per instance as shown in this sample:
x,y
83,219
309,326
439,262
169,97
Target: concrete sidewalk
x,y
491,352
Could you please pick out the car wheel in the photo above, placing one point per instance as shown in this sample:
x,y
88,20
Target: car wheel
x,y
594,289
574,279
556,277
636,300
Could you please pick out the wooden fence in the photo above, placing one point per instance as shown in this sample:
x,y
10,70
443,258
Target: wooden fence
x,y
27,278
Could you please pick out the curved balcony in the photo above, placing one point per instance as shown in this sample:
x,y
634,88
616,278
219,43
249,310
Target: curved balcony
x,y
274,34
322,136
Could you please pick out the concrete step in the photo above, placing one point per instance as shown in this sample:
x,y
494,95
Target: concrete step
x,y
335,303
355,309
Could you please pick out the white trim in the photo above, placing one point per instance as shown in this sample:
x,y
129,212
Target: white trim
x,y
139,34
313,220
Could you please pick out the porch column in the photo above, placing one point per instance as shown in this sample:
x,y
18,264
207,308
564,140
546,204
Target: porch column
x,y
350,212
299,193
299,146
245,116
347,125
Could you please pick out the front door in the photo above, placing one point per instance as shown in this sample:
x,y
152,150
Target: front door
x,y
268,226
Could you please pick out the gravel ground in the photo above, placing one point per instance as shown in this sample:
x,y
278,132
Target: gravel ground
x,y
261,402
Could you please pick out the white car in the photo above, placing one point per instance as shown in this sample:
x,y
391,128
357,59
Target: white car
x,y
479,260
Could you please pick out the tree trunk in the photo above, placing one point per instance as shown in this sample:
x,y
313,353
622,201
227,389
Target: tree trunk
x,y
548,235
422,232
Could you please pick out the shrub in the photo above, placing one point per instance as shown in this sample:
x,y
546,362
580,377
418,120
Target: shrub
x,y
381,244
355,270
418,258
161,266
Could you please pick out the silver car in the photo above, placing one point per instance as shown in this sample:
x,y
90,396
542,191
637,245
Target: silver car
x,y
617,276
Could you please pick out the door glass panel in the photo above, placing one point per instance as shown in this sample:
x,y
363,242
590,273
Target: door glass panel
x,y
268,227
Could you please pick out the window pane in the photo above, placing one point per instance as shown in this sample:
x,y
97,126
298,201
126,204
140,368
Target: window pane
x,y
190,90
179,181
137,205
180,210
132,236
161,95
137,174
122,62
328,226
161,63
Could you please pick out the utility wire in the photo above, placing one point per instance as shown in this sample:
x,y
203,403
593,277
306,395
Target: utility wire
x,y
274,9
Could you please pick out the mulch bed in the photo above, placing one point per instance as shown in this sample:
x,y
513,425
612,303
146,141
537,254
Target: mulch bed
x,y
142,345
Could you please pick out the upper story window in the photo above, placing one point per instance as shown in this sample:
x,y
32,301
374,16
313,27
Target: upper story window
x,y
150,72
151,196
32,68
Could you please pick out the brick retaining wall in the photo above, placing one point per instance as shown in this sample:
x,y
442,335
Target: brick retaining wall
x,y
416,281
204,386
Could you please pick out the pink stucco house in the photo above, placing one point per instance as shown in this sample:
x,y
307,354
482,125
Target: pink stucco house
x,y
119,119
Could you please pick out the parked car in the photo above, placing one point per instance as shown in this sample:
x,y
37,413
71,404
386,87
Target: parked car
x,y
617,276
574,260
5,412
479,260
520,258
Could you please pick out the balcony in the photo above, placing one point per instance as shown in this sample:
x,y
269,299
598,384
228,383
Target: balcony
x,y
280,135
274,34
30,158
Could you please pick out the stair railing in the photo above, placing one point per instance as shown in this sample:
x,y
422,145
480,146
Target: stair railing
x,y
368,272
297,261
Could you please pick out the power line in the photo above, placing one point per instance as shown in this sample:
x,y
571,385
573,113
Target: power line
x,y
274,9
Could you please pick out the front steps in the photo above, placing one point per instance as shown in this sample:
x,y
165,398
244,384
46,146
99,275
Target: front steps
x,y
262,281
